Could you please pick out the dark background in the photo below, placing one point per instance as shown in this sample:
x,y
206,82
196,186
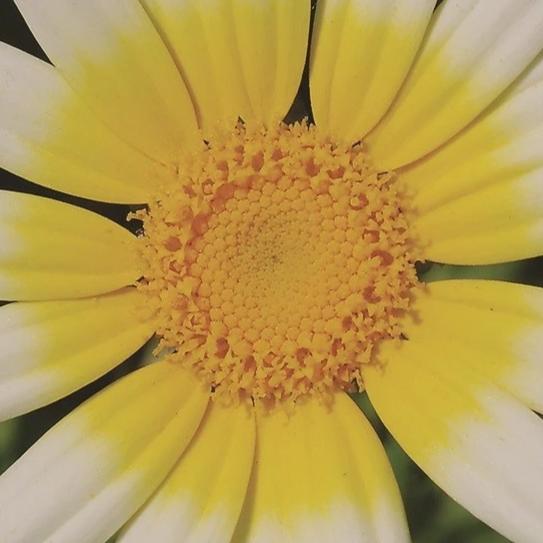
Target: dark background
x,y
433,517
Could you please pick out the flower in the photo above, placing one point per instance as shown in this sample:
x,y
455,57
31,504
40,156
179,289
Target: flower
x,y
276,264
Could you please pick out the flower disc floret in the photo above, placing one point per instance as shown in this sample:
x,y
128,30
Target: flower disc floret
x,y
277,263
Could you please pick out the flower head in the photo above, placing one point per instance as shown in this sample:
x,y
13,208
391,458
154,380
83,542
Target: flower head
x,y
274,262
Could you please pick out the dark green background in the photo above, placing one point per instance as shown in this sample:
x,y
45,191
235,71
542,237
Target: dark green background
x,y
433,517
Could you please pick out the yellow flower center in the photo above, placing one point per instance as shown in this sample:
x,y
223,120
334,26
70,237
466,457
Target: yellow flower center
x,y
277,262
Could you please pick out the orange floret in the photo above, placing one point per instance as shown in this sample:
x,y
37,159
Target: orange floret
x,y
277,263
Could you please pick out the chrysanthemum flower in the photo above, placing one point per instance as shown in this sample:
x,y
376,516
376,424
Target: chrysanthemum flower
x,y
276,265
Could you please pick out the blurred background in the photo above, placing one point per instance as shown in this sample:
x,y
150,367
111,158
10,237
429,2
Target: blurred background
x,y
432,515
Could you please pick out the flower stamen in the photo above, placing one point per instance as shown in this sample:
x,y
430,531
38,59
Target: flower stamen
x,y
277,263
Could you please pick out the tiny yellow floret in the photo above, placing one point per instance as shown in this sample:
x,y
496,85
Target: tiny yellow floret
x,y
277,262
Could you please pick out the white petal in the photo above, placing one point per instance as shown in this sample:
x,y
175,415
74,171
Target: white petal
x,y
474,50
49,136
50,349
503,144
202,497
96,467
479,198
482,446
111,54
492,327
495,468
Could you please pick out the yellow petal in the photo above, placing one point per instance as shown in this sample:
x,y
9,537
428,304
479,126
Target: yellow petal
x,y
500,223
49,136
501,145
201,37
361,52
272,37
113,57
321,474
474,440
470,55
97,466
51,250
479,198
50,349
202,497
493,327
